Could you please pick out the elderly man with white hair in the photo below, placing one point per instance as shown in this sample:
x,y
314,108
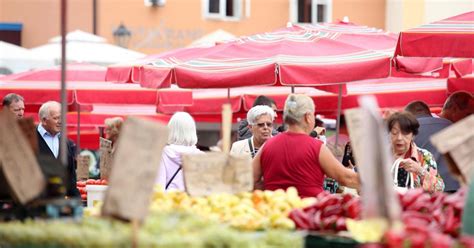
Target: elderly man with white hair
x,y
260,119
48,141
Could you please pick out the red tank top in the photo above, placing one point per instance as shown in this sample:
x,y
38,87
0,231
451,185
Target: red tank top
x,y
292,159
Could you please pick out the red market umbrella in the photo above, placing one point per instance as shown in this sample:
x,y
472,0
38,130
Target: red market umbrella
x,y
457,84
431,49
451,37
293,57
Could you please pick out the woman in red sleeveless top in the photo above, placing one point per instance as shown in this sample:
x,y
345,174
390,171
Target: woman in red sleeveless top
x,y
294,158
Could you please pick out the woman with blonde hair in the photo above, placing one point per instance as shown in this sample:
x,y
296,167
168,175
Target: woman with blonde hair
x,y
112,129
294,158
182,139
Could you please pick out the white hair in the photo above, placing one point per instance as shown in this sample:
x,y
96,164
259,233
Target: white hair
x,y
296,106
182,130
44,110
257,111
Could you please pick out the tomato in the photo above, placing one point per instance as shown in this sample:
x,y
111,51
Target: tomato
x,y
83,196
81,183
103,182
90,181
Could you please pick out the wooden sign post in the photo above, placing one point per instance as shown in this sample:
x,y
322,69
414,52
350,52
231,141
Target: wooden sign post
x,y
456,142
18,161
373,157
105,158
209,173
134,169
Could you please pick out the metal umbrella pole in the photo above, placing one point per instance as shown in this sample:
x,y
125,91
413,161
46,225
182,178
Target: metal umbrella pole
x,y
338,120
63,145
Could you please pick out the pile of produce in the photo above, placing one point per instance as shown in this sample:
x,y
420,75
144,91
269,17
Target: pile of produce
x,y
160,230
329,213
430,220
258,210
81,186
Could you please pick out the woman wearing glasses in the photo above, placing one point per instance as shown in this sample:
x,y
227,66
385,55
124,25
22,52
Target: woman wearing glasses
x,y
260,119
294,158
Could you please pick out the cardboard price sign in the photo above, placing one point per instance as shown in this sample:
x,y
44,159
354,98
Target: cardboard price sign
x,y
105,158
456,142
82,170
18,161
209,173
135,168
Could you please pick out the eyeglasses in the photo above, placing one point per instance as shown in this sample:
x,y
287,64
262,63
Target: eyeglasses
x,y
263,124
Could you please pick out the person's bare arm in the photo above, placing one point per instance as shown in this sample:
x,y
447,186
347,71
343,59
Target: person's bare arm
x,y
257,171
334,169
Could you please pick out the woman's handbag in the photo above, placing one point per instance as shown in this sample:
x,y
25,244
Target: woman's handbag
x,y
409,183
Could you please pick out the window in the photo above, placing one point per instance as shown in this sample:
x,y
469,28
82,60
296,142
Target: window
x,y
222,9
310,11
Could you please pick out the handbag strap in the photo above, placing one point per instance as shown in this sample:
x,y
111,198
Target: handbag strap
x,y
171,180
394,170
252,150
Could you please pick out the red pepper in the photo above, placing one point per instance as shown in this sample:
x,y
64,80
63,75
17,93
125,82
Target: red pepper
x,y
417,239
421,204
341,224
450,224
439,240
346,198
411,216
467,241
352,209
301,219
410,197
329,223
317,223
329,200
394,238
332,210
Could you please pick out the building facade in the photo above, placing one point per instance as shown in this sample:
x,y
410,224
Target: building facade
x,y
161,25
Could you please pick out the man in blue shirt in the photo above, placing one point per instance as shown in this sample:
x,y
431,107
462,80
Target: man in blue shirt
x,y
430,125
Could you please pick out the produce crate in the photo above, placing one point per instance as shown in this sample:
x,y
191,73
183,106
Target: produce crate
x,y
320,240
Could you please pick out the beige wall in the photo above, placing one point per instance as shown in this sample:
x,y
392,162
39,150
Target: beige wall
x,y
362,12
441,9
406,14
41,19
174,25
180,22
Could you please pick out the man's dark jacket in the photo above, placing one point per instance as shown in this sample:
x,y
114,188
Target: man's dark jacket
x,y
71,163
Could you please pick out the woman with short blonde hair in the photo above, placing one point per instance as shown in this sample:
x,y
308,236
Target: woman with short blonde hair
x,y
294,158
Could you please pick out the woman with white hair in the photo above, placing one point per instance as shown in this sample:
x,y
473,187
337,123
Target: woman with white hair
x,y
182,139
260,119
294,158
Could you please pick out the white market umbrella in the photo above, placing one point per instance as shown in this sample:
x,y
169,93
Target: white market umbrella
x,y
86,47
210,39
15,59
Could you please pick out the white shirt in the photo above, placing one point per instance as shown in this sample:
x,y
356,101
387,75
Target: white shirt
x,y
51,141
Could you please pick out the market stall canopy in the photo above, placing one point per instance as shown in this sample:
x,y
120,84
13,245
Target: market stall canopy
x,y
291,56
212,38
15,59
437,48
451,37
86,47
465,83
